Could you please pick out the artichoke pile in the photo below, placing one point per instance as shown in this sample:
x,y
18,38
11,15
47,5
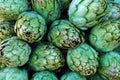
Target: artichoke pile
x,y
59,40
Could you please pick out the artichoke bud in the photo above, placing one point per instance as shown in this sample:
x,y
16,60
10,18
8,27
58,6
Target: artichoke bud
x,y
64,35
14,52
83,59
105,36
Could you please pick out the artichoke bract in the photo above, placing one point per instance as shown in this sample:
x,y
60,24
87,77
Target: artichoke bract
x,y
46,57
49,9
64,35
83,59
72,76
116,1
2,65
109,68
105,36
13,74
113,12
14,52
6,30
30,27
44,75
10,9
86,13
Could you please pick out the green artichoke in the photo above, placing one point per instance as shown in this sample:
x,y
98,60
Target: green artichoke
x,y
105,36
46,57
64,35
113,12
44,75
13,74
10,9
86,13
49,9
72,76
83,59
6,30
30,27
14,52
109,68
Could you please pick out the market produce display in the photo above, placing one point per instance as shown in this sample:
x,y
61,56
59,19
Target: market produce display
x,y
59,39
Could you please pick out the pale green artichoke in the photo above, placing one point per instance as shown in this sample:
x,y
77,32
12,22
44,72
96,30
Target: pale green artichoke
x,y
30,27
113,12
13,74
44,75
63,34
10,9
86,13
49,9
46,57
72,76
14,52
6,30
109,67
83,59
105,36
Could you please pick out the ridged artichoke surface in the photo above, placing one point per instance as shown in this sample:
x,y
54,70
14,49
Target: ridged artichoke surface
x,y
72,76
109,68
14,52
30,27
113,12
49,9
83,59
46,57
86,13
64,35
6,30
13,74
105,36
10,9
44,75
116,1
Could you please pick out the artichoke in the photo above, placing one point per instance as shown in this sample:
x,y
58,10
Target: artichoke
x,y
86,13
64,35
83,59
44,75
14,52
113,12
72,76
13,74
10,9
105,36
109,68
6,30
46,57
49,9
30,27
